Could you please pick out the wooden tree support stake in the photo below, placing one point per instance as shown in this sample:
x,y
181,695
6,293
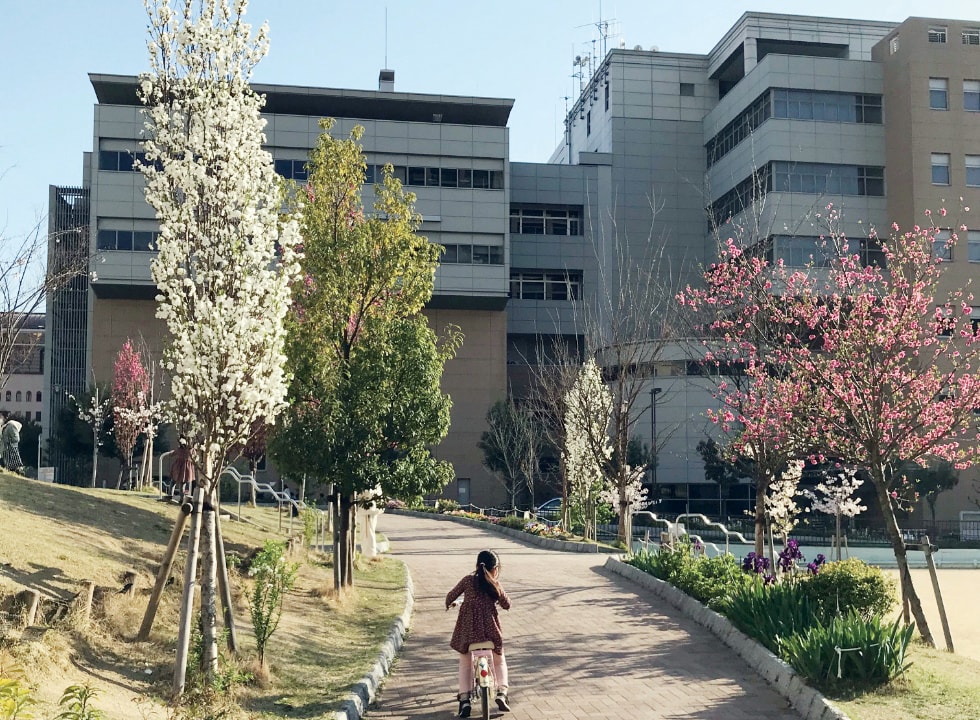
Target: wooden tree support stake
x,y
927,549
87,596
164,573
33,602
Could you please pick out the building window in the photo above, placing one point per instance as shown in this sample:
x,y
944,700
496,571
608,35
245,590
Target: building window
x,y
971,95
940,168
545,285
973,170
9,396
19,397
687,89
971,36
940,245
939,93
893,45
291,169
937,34
37,416
973,245
607,96
740,128
588,123
544,220
122,160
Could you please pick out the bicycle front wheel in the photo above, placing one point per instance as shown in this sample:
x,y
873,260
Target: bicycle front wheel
x,y
485,702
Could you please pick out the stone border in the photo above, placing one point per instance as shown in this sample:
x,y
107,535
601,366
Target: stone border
x,y
365,690
519,535
810,703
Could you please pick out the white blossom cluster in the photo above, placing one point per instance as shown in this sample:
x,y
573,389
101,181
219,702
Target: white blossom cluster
x,y
588,406
780,500
635,493
94,411
227,255
835,496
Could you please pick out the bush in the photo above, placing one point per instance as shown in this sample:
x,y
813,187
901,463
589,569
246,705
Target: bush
x,y
849,653
712,580
446,505
511,521
848,585
770,613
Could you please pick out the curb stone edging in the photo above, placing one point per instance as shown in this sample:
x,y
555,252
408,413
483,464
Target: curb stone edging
x,y
364,692
808,702
519,535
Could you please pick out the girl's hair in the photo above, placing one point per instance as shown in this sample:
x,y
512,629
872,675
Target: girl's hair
x,y
486,561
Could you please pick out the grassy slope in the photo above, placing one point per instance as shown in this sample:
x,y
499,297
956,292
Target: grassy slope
x,y
55,536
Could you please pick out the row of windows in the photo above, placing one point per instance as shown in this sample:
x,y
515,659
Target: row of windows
x,y
939,94
441,177
794,105
969,36
545,285
143,241
541,221
940,164
798,251
25,397
472,255
793,177
942,248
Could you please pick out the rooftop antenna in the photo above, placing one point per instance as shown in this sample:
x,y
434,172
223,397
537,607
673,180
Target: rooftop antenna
x,y
386,36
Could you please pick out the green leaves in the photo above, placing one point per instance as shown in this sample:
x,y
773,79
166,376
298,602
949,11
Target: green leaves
x,y
273,577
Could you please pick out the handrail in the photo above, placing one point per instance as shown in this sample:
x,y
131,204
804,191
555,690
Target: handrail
x,y
672,527
160,466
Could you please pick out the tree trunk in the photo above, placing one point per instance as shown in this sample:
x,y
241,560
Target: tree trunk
x,y
898,546
95,457
347,528
209,573
761,485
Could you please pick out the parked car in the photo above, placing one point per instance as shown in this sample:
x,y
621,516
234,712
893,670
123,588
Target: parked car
x,y
550,510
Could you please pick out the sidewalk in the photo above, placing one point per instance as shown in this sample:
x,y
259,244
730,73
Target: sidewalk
x,y
581,643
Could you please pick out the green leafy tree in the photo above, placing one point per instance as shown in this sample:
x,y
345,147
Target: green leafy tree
x,y
512,445
932,480
725,472
274,577
364,400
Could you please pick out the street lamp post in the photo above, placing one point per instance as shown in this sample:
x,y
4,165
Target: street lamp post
x,y
653,432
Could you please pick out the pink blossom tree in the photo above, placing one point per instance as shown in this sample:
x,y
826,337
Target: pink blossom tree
x,y
130,388
879,369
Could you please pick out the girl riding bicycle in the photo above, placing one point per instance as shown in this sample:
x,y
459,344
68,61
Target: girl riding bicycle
x,y
477,622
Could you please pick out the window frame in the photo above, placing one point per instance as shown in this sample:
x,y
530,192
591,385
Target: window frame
x,y
938,34
938,88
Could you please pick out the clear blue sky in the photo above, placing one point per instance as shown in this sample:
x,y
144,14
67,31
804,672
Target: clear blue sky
x,y
520,49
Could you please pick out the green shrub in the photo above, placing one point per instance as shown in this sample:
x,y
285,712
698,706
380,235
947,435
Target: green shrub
x,y
770,613
511,521
446,505
848,585
273,579
849,653
712,580
15,700
76,701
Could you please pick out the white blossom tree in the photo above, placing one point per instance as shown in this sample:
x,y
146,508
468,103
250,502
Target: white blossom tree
x,y
226,254
587,451
780,504
94,410
835,496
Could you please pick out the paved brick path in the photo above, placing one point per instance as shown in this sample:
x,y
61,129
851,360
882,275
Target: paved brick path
x,y
580,642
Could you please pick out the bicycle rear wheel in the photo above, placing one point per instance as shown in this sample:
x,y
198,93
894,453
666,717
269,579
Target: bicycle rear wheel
x,y
485,702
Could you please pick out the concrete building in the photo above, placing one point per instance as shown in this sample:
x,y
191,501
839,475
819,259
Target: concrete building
x,y
877,117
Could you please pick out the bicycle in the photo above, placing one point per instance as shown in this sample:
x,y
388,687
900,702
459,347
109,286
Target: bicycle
x,y
483,681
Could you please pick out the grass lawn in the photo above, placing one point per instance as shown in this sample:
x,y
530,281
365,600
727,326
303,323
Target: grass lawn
x,y
56,536
938,686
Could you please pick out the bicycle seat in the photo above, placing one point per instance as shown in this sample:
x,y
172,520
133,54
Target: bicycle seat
x,y
480,646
